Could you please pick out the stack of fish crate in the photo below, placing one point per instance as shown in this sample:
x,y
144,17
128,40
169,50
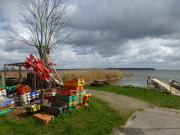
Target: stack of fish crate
x,y
2,92
72,95
24,94
11,90
86,99
69,100
50,94
34,95
6,105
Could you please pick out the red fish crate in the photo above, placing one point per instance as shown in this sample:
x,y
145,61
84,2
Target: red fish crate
x,y
78,88
68,93
75,80
86,102
50,99
53,90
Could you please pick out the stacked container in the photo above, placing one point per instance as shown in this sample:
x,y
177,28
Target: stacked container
x,y
24,94
3,93
10,90
50,94
34,95
69,100
6,105
86,99
72,95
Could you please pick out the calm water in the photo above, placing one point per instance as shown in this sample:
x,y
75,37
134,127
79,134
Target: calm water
x,y
139,77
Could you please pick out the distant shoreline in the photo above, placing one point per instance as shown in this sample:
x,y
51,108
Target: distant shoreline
x,y
130,68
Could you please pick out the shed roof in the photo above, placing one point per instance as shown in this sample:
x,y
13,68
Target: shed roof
x,y
16,64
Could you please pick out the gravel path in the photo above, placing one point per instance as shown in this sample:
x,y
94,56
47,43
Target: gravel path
x,y
121,103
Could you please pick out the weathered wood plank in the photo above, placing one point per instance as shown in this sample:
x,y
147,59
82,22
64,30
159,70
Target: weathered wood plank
x,y
165,87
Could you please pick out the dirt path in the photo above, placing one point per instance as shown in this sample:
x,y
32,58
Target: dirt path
x,y
123,104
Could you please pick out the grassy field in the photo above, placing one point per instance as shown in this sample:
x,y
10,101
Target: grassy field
x,y
97,119
156,97
88,74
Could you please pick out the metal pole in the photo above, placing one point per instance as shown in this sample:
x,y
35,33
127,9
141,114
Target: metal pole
x,y
20,74
42,97
5,74
34,81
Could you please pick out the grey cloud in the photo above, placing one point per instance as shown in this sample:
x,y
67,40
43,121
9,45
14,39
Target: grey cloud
x,y
108,24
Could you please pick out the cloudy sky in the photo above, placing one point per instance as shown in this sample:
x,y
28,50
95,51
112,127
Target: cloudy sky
x,y
109,34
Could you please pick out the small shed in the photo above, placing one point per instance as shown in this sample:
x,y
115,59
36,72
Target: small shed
x,y
14,65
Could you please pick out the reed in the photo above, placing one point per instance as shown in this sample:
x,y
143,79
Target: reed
x,y
88,74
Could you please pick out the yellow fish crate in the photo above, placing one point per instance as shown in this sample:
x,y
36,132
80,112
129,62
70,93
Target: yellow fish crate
x,y
75,82
69,104
35,107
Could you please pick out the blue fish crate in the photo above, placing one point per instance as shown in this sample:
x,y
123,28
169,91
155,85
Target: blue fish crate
x,y
5,101
33,92
54,108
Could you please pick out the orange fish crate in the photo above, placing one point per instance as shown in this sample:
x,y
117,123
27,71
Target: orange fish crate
x,y
75,82
44,117
68,93
7,106
2,88
52,90
78,88
79,104
81,98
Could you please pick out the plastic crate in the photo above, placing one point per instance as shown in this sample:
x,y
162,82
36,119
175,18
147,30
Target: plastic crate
x,y
79,94
50,99
35,106
44,117
65,97
5,101
78,88
68,93
71,107
79,101
54,108
86,97
33,92
79,104
45,101
6,107
52,90
65,101
75,82
6,110
68,104
86,102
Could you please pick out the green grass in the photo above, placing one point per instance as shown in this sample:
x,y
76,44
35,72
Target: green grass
x,y
156,97
97,119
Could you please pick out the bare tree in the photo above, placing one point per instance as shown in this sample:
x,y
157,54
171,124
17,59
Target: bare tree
x,y
45,24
